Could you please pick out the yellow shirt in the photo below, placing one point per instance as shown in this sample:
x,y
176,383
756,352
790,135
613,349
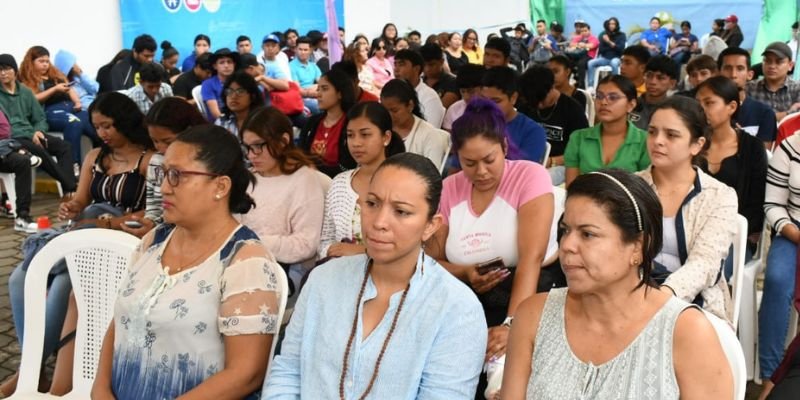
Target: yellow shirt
x,y
640,90
474,56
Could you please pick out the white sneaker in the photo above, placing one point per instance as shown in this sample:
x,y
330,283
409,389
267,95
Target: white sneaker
x,y
25,224
35,161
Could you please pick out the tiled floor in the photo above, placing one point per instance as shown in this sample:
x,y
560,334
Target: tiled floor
x,y
10,256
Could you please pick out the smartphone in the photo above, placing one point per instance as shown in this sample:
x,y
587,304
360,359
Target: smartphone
x,y
73,83
133,224
491,265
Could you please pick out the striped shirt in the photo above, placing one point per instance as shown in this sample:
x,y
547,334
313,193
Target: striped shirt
x,y
782,198
153,209
144,103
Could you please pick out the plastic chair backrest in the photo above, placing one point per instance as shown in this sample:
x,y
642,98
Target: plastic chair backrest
x,y
283,287
590,111
8,182
733,352
96,260
737,278
547,149
198,99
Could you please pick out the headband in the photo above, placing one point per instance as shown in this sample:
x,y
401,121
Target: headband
x,y
630,196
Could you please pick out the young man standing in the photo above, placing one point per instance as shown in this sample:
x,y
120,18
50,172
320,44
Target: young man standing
x,y
634,61
125,74
225,63
150,89
434,76
28,126
754,117
557,113
776,89
408,65
660,77
500,85
244,45
306,73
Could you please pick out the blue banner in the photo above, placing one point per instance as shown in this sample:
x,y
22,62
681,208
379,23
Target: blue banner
x,y
179,21
634,15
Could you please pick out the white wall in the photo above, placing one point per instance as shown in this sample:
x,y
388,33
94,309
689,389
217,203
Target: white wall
x,y
433,16
90,29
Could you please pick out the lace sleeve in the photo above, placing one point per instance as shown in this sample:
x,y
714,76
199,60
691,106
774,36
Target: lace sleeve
x,y
250,298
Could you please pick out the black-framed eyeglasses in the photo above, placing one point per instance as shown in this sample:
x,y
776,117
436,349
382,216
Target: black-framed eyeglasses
x,y
235,92
255,148
173,176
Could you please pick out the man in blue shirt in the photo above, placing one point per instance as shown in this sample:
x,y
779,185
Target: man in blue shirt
x,y
683,45
225,62
754,117
305,73
499,84
655,38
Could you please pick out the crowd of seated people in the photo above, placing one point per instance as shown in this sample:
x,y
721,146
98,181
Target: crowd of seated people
x,y
414,192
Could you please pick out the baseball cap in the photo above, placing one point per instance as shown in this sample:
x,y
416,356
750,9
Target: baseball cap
x,y
780,49
9,61
271,38
732,18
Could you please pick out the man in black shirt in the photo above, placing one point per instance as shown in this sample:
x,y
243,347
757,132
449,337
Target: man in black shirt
x,y
435,77
559,114
125,74
188,80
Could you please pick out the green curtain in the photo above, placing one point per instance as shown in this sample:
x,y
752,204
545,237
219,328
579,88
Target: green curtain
x,y
776,21
550,10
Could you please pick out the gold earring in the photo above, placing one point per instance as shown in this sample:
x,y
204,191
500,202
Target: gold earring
x,y
635,261
218,196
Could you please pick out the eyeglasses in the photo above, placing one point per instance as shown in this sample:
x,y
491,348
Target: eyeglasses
x,y
255,148
611,97
173,176
5,70
235,92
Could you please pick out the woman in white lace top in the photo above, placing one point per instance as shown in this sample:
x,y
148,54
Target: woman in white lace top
x,y
612,333
197,309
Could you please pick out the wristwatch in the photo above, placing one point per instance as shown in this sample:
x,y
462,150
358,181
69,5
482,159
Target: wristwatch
x,y
507,322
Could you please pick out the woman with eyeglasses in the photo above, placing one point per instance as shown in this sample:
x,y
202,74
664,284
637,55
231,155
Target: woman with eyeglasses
x,y
240,96
371,140
288,193
614,142
472,48
382,68
197,309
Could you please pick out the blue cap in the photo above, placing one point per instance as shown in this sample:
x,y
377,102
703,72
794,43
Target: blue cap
x,y
64,61
271,38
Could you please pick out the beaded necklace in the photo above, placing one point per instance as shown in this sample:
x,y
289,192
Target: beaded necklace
x,y
353,334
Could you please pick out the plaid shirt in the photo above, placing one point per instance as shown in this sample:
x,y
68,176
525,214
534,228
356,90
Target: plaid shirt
x,y
779,101
144,103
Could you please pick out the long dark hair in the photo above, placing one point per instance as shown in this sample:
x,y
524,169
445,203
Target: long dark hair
x,y
246,82
622,212
174,114
691,114
128,119
271,125
725,89
344,86
220,152
402,91
380,117
609,32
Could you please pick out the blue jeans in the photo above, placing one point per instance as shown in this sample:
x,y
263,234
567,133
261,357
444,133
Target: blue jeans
x,y
56,306
600,62
776,303
312,105
61,117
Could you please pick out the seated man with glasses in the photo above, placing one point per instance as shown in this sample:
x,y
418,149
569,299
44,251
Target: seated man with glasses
x,y
660,77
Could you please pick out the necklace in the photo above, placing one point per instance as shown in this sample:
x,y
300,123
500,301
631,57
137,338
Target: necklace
x,y
183,264
353,334
543,118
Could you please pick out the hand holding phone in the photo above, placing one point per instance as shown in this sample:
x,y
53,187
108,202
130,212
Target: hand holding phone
x,y
491,265
133,224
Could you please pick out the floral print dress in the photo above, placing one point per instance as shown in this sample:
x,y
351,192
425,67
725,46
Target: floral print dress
x,y
169,329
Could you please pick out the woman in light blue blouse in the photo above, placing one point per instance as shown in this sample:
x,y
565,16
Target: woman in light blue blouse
x,y
390,324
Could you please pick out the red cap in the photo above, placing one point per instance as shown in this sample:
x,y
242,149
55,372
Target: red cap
x,y
732,18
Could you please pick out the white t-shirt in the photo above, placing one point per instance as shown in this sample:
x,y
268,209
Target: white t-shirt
x,y
473,238
430,104
455,111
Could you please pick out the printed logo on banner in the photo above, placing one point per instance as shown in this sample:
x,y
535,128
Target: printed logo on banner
x,y
212,6
172,5
193,5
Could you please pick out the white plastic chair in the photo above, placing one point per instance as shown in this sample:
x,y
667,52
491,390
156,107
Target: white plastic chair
x,y
737,278
96,260
597,71
198,100
733,352
283,287
748,304
8,181
547,148
590,111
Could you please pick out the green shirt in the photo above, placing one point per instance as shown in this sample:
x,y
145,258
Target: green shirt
x,y
24,112
585,151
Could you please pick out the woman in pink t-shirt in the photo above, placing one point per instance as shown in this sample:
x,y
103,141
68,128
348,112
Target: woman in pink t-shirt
x,y
381,67
493,208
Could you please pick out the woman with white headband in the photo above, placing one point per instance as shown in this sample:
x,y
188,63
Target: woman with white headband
x,y
612,333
